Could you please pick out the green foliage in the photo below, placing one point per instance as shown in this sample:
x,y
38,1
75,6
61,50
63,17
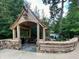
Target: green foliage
x,y
70,24
9,10
56,14
46,22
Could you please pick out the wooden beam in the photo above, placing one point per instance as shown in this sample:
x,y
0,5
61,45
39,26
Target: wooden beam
x,y
44,34
14,34
24,27
18,31
29,33
38,32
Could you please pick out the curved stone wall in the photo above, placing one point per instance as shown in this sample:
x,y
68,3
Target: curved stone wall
x,y
10,44
57,46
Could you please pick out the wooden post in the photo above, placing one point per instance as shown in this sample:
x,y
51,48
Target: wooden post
x,y
14,34
38,32
38,36
18,31
29,33
44,34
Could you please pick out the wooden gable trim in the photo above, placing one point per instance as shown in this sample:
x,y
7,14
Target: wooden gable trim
x,y
17,19
38,19
11,27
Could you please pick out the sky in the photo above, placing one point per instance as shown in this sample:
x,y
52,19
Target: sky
x,y
66,5
41,7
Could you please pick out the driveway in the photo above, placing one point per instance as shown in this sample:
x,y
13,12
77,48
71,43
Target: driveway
x,y
19,54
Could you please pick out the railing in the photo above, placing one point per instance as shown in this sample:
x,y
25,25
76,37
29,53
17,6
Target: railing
x,y
57,46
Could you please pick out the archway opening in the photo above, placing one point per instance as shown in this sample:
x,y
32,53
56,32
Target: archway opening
x,y
28,36
28,32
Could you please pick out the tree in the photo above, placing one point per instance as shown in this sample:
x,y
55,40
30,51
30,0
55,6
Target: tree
x,y
56,14
70,24
9,11
55,11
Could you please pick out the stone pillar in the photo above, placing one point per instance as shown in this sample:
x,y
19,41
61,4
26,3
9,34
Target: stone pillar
x,y
44,34
14,34
38,32
18,31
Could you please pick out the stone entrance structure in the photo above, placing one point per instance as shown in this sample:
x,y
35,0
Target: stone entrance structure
x,y
27,20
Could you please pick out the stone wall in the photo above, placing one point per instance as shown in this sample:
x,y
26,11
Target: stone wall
x,y
10,44
57,46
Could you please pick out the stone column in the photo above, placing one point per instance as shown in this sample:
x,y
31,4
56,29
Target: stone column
x,y
44,34
18,31
14,34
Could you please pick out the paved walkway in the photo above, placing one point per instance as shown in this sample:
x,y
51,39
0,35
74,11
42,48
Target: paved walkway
x,y
16,54
29,47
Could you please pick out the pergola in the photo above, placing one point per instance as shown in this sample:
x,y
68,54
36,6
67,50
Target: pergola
x,y
28,19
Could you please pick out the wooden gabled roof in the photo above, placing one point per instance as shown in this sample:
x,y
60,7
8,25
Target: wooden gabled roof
x,y
24,10
17,19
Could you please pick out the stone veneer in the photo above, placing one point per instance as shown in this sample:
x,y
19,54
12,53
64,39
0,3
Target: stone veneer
x,y
10,44
57,46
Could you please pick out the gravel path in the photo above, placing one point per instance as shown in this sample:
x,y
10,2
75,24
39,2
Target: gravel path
x,y
16,54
